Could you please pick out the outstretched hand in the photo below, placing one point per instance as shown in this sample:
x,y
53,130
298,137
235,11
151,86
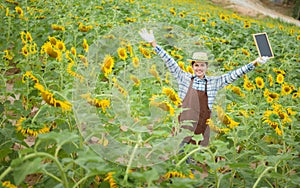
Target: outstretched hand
x,y
147,36
262,60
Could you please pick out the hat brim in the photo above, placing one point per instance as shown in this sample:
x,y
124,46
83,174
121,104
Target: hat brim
x,y
198,60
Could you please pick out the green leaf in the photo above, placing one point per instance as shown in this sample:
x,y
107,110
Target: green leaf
x,y
60,138
26,168
4,152
239,165
92,162
197,137
26,151
260,169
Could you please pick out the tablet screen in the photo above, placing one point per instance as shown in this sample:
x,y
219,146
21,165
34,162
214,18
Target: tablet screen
x,y
263,45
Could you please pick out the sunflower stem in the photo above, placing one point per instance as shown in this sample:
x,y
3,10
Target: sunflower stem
x,y
131,158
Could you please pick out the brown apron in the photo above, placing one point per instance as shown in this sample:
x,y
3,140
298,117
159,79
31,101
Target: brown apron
x,y
197,110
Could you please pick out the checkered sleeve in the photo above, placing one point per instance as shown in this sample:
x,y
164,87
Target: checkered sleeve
x,y
230,77
171,64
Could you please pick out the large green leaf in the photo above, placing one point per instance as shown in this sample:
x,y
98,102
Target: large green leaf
x,y
25,168
60,138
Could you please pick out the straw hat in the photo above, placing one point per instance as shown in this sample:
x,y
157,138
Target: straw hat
x,y
199,57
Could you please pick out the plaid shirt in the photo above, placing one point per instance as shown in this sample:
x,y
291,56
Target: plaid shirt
x,y
214,83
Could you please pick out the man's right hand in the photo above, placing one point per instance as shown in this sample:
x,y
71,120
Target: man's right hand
x,y
147,36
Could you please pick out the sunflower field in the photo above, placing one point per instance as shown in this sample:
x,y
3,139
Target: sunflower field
x,y
85,102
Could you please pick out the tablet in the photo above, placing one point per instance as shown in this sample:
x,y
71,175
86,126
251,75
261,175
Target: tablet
x,y
263,45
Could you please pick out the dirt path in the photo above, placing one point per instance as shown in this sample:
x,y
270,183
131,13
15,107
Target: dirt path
x,y
255,8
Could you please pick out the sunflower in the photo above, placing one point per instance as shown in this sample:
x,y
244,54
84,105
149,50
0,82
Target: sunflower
x,y
25,51
244,113
48,97
169,36
135,62
33,48
189,69
222,17
175,174
269,99
85,45
286,89
7,12
259,82
103,104
154,72
108,64
270,79
290,111
278,131
279,71
203,20
245,52
136,81
71,72
248,85
167,78
273,95
8,55
119,87
60,45
52,40
20,11
225,119
172,95
211,124
181,65
58,27
172,11
130,50
181,14
213,24
28,36
84,28
247,24
83,60
7,184
111,180
145,52
295,95
73,51
164,105
130,19
122,53
280,78
237,91
271,117
23,37
284,117
31,76
30,128
51,51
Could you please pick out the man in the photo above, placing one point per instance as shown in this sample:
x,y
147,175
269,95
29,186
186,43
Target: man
x,y
198,91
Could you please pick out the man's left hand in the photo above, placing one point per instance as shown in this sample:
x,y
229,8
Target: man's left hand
x,y
262,60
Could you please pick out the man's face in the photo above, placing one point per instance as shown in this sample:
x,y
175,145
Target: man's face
x,y
200,69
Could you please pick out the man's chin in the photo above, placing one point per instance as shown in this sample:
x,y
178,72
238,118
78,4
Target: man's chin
x,y
200,75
